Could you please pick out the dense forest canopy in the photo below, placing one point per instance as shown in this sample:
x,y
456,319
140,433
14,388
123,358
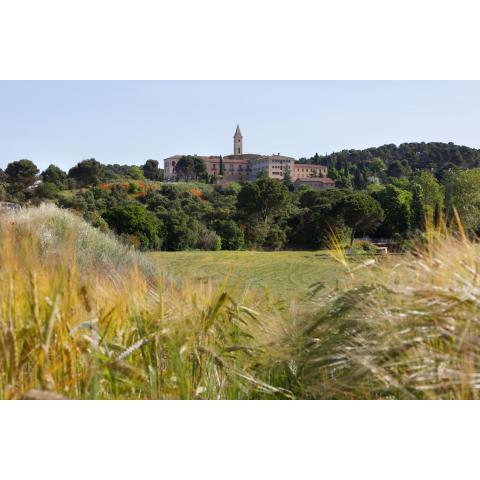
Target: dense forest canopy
x,y
436,157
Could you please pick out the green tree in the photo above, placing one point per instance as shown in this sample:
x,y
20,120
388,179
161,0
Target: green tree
x,y
360,213
287,178
231,234
333,173
151,170
419,208
191,168
399,169
262,199
259,204
221,167
87,173
262,174
276,237
3,193
181,230
377,166
135,220
462,192
21,175
360,179
54,175
136,173
317,217
432,191
397,205
46,191
428,197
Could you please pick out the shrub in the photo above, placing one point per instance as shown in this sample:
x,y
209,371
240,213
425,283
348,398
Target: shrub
x,y
208,240
276,238
133,187
365,247
232,237
136,173
135,219
46,191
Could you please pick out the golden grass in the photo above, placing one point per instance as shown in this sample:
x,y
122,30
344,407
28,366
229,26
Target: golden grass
x,y
411,331
82,316
96,330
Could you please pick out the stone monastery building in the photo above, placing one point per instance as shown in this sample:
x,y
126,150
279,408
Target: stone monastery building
x,y
246,166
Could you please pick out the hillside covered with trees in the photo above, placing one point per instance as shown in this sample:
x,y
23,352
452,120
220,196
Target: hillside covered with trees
x,y
356,166
386,192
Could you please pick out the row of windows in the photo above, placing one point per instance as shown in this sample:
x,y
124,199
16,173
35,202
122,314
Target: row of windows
x,y
309,169
231,168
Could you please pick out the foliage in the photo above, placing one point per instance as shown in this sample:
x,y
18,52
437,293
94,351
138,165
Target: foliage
x,y
208,240
397,206
151,170
231,234
134,219
317,218
87,173
258,203
21,175
136,173
435,157
463,194
266,213
46,191
55,175
360,213
181,230
3,193
364,247
432,191
287,178
398,169
190,168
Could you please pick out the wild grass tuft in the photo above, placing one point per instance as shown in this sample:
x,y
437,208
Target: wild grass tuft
x,y
412,331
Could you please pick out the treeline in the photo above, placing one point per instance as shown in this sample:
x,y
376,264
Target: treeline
x,y
356,168
376,199
23,182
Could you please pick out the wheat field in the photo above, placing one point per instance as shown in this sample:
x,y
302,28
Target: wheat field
x,y
84,317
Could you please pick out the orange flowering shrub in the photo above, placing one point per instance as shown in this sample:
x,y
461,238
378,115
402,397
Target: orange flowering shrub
x,y
197,193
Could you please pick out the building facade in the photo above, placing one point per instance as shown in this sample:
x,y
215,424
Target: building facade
x,y
319,183
247,166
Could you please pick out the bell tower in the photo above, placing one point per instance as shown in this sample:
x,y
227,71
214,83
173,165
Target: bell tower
x,y
238,142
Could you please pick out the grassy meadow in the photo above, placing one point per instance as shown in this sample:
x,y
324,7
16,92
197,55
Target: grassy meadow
x,y
83,316
279,275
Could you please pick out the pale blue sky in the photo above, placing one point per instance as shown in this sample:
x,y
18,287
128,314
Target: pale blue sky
x,y
128,122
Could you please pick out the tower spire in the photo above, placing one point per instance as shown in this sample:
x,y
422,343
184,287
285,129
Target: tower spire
x,y
238,142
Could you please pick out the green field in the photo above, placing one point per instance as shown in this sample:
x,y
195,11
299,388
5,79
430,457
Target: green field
x,y
284,275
